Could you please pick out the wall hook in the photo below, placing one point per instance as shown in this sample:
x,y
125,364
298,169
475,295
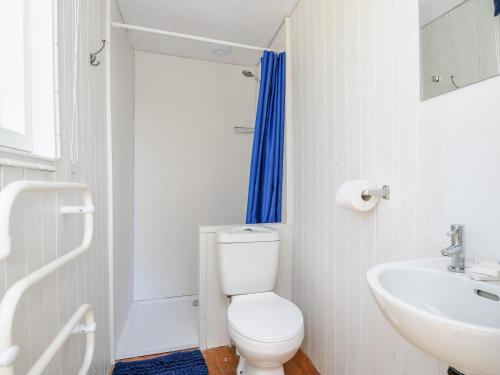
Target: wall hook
x,y
93,56
454,83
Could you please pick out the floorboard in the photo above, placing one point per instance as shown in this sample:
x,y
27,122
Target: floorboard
x,y
224,361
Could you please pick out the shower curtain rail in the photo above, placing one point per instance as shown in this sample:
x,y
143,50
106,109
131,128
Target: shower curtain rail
x,y
188,36
9,302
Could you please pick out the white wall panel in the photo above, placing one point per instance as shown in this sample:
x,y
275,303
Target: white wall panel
x,y
432,9
41,233
122,118
357,114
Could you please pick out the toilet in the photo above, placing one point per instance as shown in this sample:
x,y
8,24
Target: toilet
x,y
266,329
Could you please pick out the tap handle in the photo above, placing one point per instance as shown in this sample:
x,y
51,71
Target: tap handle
x,y
452,250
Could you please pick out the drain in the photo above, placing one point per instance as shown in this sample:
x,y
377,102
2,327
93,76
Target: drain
x,y
452,371
196,303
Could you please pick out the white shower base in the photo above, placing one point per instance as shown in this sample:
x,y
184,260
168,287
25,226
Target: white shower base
x,y
159,326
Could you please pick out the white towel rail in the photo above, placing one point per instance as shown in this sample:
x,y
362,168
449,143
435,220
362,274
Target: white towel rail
x,y
8,305
84,311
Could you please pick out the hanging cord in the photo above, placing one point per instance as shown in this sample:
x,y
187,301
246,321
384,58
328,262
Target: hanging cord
x,y
74,151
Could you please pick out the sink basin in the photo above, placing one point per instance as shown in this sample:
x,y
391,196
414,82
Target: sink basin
x,y
447,315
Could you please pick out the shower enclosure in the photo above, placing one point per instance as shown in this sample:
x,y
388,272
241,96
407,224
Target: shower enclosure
x,y
181,161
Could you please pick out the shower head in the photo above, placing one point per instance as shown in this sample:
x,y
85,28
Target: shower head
x,y
249,74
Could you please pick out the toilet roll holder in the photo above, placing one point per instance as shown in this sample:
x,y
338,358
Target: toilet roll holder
x,y
384,192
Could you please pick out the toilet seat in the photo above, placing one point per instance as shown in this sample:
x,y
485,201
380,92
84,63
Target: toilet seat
x,y
265,317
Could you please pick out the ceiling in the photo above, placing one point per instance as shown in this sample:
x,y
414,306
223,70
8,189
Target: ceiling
x,y
432,9
253,22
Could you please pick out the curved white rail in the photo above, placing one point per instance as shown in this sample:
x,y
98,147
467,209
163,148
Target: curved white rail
x,y
9,303
10,193
84,311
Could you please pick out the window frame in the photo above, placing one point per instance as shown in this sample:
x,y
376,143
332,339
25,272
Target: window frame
x,y
16,144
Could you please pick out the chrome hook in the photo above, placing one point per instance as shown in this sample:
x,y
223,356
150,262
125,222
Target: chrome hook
x,y
93,56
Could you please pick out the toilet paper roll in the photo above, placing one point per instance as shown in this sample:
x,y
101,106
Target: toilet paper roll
x,y
349,196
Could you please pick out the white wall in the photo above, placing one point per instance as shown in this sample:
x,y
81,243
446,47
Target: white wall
x,y
432,9
41,233
122,118
357,114
190,168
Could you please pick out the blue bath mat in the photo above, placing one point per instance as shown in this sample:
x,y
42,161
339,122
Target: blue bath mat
x,y
182,363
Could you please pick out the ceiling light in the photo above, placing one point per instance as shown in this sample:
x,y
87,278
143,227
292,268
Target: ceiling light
x,y
220,50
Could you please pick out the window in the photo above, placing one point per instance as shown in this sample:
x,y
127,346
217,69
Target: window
x,y
28,77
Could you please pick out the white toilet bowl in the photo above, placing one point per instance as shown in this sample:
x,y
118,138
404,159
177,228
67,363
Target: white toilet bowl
x,y
267,331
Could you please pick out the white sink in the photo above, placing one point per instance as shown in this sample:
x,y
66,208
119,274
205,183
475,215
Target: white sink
x,y
441,312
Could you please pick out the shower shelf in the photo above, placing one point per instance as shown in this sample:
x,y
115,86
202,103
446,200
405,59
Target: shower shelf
x,y
243,130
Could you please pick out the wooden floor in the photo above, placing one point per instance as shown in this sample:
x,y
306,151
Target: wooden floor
x,y
224,361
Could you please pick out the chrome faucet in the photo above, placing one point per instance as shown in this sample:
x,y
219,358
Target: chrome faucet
x,y
456,250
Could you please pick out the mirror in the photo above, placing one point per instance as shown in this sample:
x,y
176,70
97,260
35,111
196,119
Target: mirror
x,y
459,44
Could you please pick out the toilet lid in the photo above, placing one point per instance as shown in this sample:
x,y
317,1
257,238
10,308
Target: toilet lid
x,y
265,317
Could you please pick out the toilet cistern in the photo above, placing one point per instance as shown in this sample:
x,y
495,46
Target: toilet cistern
x,y
456,250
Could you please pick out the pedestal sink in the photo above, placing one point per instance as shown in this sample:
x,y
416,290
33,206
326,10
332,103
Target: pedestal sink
x,y
447,315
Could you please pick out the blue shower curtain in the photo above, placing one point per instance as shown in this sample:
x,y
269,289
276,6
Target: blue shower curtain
x,y
266,171
497,7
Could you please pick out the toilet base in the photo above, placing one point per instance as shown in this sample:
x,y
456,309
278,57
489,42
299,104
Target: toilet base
x,y
245,368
